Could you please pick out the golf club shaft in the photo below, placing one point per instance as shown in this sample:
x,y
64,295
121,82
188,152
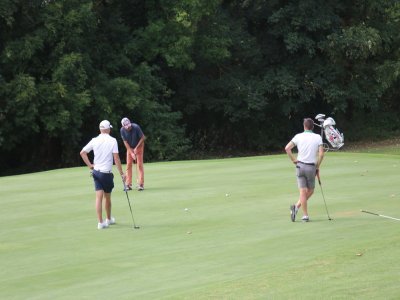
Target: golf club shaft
x,y
135,165
319,179
129,202
130,208
323,196
379,215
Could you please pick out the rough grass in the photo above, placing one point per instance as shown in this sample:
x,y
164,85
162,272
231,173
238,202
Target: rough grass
x,y
387,146
234,241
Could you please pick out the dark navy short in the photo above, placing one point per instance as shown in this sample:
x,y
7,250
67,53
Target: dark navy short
x,y
103,181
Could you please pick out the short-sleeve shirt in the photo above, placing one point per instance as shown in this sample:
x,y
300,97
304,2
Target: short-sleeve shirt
x,y
103,147
132,136
307,144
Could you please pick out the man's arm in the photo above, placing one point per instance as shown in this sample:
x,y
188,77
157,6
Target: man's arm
x,y
288,150
126,144
85,158
129,150
141,141
321,154
118,164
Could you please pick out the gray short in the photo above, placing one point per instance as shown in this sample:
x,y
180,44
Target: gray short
x,y
305,175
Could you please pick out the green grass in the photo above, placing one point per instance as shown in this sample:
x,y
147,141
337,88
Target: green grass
x,y
240,246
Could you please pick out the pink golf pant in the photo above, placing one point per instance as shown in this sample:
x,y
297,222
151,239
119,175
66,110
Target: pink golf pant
x,y
139,166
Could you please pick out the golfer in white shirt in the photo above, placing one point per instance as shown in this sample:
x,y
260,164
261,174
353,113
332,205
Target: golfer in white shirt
x,y
308,160
105,149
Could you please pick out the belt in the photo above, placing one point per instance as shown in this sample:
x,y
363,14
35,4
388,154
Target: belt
x,y
106,172
308,164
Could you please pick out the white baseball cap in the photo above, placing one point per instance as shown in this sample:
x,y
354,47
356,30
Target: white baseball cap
x,y
125,122
105,125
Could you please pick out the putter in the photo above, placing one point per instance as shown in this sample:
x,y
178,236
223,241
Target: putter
x,y
323,197
130,207
136,171
379,215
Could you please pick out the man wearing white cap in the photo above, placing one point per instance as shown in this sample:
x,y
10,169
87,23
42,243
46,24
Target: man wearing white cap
x,y
133,138
105,149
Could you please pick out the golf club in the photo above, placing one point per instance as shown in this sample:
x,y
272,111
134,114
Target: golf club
x,y
127,197
323,197
379,215
134,166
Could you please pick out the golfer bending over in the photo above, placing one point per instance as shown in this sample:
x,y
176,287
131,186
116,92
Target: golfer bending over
x,y
133,138
309,158
105,149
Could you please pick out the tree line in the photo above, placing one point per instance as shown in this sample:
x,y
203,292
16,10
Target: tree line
x,y
199,76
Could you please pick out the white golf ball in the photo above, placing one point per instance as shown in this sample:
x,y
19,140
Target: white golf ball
x,y
186,209
226,195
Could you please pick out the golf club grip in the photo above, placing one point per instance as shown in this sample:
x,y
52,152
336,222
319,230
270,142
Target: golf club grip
x,y
319,179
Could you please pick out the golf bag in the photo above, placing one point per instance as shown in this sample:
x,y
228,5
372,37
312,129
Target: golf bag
x,y
332,134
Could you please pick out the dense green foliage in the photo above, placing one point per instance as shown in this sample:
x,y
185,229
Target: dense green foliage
x,y
196,75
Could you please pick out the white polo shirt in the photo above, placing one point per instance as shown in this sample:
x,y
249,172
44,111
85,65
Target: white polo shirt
x,y
103,147
307,144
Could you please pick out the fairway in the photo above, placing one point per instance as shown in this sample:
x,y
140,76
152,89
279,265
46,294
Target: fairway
x,y
210,229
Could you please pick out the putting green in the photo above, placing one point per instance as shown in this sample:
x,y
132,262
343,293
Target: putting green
x,y
210,229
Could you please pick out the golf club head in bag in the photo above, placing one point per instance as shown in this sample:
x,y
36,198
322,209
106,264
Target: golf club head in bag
x,y
320,118
328,130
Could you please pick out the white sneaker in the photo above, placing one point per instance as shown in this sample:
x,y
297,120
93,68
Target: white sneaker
x,y
305,219
102,225
110,222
